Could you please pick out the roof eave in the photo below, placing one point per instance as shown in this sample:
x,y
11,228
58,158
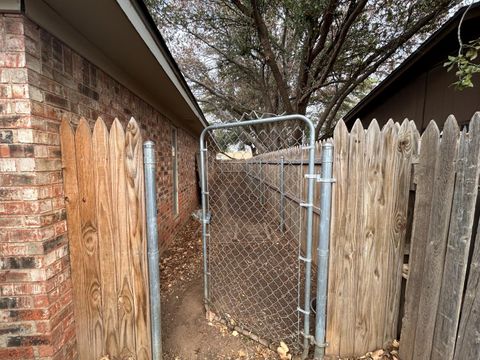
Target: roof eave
x,y
136,10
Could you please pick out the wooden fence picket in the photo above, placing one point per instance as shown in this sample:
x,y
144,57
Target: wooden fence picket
x,y
384,208
403,147
92,298
123,250
353,245
430,141
106,240
467,339
77,254
137,236
337,238
366,330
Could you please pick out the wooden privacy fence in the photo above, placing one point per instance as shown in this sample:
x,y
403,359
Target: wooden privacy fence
x,y
104,193
442,308
372,169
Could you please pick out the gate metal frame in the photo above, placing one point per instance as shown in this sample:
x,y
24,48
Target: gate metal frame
x,y
311,178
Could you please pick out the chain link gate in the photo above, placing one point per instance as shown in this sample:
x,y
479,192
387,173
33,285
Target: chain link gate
x,y
257,218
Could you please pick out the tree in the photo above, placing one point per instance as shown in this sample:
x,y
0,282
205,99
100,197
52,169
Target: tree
x,y
465,62
291,56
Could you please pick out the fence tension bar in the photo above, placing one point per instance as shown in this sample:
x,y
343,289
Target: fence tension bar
x,y
326,181
152,248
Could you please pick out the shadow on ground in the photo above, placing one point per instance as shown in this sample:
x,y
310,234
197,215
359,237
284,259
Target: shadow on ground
x,y
186,332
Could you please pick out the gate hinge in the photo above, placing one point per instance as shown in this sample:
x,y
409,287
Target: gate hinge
x,y
208,217
312,340
304,312
304,259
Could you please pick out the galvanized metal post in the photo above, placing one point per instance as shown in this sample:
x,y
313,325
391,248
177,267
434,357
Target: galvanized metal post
x,y
322,249
203,184
282,194
308,250
152,248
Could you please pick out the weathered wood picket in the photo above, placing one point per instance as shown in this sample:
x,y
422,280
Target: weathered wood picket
x,y
104,196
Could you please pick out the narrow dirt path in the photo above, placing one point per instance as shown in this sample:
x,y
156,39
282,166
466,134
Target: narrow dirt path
x,y
186,332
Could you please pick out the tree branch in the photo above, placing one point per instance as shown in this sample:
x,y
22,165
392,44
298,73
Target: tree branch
x,y
270,57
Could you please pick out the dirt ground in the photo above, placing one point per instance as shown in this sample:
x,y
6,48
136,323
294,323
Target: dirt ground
x,y
186,333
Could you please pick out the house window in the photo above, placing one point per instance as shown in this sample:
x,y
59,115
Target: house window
x,y
175,171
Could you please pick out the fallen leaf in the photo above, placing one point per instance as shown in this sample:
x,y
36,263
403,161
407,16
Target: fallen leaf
x,y
242,353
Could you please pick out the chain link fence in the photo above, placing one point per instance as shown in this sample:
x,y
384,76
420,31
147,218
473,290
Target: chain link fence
x,y
256,238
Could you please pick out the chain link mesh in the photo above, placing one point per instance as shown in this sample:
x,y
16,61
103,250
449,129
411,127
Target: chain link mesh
x,y
256,186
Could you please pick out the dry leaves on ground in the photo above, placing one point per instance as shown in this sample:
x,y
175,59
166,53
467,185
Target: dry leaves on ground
x,y
181,262
390,353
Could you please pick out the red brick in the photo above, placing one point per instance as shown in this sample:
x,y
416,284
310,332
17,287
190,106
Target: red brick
x,y
40,301
19,91
16,353
4,150
32,340
14,26
16,302
45,351
14,42
14,59
42,327
27,315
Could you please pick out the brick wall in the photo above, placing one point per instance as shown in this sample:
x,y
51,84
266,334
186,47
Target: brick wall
x,y
43,81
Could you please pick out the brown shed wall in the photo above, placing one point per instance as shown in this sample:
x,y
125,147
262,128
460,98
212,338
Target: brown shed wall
x,y
423,97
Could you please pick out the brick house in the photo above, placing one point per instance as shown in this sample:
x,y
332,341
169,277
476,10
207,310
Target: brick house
x,y
65,60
